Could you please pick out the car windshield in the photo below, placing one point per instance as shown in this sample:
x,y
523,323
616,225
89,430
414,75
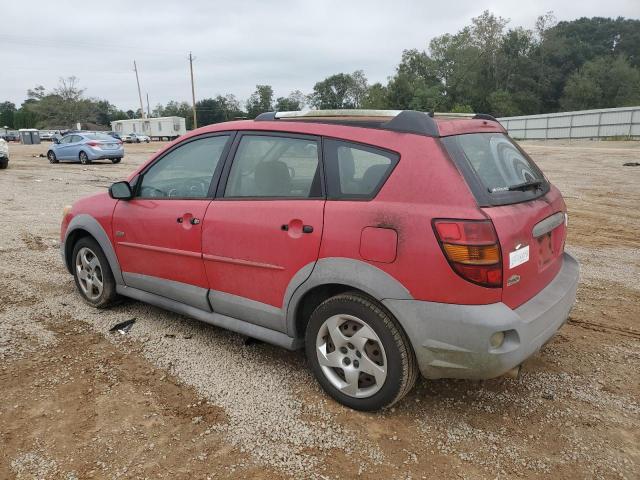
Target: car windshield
x,y
98,136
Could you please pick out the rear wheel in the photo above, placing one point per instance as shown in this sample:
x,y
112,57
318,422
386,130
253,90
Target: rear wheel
x,y
116,160
92,273
52,157
4,163
84,158
358,353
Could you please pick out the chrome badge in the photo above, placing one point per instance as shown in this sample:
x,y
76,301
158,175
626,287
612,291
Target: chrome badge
x,y
513,279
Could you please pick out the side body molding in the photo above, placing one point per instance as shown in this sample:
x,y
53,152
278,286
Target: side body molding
x,y
93,227
346,271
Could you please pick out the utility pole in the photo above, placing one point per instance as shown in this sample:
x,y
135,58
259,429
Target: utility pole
x,y
148,108
193,92
135,69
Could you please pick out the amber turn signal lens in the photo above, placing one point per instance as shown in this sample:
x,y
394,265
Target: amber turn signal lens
x,y
472,254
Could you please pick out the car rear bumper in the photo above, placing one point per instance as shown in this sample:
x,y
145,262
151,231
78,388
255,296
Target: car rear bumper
x,y
452,341
99,154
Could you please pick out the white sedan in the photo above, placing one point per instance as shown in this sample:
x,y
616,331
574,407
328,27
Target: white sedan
x,y
136,138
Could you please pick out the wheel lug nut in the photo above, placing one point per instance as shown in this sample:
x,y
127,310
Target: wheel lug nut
x,y
356,363
358,354
343,350
350,346
346,361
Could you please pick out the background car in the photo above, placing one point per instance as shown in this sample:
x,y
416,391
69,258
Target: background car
x,y
4,154
114,135
85,148
138,137
10,136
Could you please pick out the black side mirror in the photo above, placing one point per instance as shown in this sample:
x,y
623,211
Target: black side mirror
x,y
121,191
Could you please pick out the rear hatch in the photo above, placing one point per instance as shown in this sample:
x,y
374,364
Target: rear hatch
x,y
528,213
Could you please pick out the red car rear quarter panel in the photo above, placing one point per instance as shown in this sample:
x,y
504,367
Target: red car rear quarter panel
x,y
423,186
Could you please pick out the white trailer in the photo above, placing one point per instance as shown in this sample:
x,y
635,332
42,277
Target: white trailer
x,y
156,128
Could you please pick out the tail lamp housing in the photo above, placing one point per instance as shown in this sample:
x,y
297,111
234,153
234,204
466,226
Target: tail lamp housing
x,y
472,249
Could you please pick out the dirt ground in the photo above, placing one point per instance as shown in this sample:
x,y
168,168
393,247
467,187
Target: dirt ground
x,y
177,399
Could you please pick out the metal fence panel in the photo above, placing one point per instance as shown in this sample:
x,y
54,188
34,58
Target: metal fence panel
x,y
602,123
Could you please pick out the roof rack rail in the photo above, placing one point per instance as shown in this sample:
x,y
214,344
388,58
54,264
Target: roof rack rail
x,y
405,121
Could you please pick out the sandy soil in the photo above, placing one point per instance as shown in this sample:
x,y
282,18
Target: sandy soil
x,y
177,399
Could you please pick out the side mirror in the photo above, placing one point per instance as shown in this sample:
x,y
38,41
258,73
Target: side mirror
x,y
121,191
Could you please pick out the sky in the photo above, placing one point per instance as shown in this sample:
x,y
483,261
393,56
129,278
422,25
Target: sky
x,y
236,44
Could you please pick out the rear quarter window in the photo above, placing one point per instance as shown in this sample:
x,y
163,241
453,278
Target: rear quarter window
x,y
356,171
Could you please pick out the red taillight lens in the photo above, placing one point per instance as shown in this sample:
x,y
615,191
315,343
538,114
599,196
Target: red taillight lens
x,y
472,249
93,143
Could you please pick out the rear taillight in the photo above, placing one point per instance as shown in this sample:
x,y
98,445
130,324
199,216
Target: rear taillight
x,y
472,249
93,143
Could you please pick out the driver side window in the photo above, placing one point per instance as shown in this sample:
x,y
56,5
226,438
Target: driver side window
x,y
185,172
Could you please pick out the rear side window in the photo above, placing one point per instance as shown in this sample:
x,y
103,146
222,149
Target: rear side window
x,y
356,171
496,169
275,167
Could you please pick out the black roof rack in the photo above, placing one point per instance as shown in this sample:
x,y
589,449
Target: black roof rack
x,y
405,121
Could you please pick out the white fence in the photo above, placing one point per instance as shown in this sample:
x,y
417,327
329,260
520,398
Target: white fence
x,y
607,122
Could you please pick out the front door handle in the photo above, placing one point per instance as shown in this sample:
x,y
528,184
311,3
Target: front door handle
x,y
194,221
307,229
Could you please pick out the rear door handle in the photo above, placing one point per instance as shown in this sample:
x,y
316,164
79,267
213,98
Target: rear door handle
x,y
194,221
307,229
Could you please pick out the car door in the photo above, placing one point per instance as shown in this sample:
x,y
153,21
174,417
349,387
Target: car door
x,y
264,226
74,146
62,149
158,233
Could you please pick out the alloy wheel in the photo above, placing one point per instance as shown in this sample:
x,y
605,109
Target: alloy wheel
x,y
89,273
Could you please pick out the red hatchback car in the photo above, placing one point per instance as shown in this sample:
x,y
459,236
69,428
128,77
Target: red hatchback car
x,y
383,242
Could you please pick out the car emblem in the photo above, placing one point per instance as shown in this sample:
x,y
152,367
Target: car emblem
x,y
513,279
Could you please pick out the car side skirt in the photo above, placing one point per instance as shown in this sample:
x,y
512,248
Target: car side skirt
x,y
216,319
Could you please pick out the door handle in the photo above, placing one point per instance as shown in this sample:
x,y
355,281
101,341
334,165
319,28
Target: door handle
x,y
194,221
179,219
307,229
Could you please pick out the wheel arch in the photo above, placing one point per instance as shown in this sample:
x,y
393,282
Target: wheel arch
x,y
85,225
332,276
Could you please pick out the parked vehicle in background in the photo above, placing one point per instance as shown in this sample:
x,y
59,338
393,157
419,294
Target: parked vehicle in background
x,y
4,154
385,243
10,135
85,148
137,138
114,135
46,134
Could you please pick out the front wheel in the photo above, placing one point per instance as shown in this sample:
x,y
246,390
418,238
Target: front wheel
x,y
116,160
92,273
358,353
52,157
84,158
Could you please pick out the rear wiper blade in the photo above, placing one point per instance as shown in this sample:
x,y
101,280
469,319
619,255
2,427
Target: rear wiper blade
x,y
532,184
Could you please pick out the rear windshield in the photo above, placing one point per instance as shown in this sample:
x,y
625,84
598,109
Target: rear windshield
x,y
98,136
498,171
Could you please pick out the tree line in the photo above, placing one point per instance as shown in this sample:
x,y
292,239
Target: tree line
x,y
485,67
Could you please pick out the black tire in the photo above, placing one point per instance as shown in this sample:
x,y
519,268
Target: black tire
x,y
401,365
137,140
4,163
108,296
116,160
84,158
147,141
52,157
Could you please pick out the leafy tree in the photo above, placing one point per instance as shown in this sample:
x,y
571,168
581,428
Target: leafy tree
x,y
218,109
260,101
342,90
602,83
295,101
376,97
7,111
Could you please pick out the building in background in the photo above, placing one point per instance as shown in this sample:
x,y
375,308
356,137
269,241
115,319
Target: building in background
x,y
156,128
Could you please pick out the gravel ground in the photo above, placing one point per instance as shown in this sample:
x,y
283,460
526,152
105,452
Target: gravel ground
x,y
178,399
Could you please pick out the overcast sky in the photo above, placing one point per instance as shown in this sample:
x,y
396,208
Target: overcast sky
x,y
287,44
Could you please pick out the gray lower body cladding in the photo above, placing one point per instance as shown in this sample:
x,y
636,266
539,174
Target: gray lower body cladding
x,y
453,341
